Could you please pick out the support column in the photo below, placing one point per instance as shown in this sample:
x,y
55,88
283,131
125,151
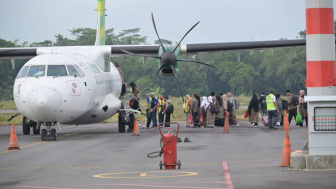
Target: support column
x,y
321,76
321,73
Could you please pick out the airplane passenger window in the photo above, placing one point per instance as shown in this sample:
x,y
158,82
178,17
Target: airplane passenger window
x,y
23,72
72,71
80,70
57,70
35,71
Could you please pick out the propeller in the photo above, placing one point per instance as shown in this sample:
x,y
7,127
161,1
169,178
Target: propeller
x,y
167,58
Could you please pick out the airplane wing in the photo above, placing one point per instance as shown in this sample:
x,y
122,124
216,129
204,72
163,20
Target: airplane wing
x,y
25,52
213,47
18,53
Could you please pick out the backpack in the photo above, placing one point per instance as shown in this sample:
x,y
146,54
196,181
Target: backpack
x,y
133,104
295,100
170,108
237,103
204,112
230,106
213,108
263,103
284,104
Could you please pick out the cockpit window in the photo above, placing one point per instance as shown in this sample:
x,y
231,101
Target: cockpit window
x,y
36,71
23,72
80,70
57,70
72,71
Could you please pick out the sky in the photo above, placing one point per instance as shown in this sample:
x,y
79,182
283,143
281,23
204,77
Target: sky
x,y
220,20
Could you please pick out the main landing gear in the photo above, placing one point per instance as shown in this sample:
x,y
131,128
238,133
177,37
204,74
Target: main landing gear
x,y
49,134
125,119
27,124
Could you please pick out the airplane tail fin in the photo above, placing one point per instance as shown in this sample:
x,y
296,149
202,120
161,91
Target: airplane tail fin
x,y
100,36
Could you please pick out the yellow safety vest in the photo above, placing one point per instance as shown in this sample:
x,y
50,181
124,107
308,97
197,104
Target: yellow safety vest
x,y
187,107
270,102
161,105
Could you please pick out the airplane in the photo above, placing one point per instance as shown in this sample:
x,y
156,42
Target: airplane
x,y
75,85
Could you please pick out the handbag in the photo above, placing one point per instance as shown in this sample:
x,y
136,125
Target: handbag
x,y
246,114
299,118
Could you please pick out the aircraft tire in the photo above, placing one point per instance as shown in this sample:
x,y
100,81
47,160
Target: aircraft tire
x,y
35,130
25,127
44,134
53,133
131,123
121,124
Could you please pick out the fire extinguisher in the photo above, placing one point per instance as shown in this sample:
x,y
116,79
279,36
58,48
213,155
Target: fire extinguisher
x,y
168,143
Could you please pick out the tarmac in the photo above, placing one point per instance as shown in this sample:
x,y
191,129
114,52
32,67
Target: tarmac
x,y
97,156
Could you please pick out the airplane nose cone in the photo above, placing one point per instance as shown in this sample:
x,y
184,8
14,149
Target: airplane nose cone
x,y
43,103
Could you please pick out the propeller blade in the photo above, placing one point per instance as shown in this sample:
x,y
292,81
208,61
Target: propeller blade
x,y
164,50
172,67
182,60
143,55
185,36
152,78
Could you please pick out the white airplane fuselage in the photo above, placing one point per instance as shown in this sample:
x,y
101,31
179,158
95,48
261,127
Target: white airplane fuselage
x,y
48,89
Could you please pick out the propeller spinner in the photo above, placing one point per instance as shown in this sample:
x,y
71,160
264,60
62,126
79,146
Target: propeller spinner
x,y
167,57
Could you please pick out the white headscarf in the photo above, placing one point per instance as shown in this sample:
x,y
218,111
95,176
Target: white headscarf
x,y
204,102
209,100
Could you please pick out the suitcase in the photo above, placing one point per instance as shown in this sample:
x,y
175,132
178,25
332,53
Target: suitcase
x,y
265,120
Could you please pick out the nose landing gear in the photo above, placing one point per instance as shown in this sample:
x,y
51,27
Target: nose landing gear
x,y
49,134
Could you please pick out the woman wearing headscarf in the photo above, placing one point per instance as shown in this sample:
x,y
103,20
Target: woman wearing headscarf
x,y
186,107
303,107
195,108
219,118
136,96
253,108
210,116
204,108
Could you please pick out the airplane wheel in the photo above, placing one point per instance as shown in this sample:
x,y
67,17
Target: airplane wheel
x,y
179,164
131,123
25,127
53,133
121,124
35,130
160,164
44,134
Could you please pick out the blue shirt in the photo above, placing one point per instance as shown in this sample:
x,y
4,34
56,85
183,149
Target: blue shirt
x,y
152,101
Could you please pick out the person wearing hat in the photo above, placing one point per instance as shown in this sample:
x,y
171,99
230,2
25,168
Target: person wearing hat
x,y
161,107
272,110
167,121
292,109
152,103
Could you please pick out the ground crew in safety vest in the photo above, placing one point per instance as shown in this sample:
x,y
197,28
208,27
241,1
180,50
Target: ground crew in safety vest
x,y
186,107
272,110
161,107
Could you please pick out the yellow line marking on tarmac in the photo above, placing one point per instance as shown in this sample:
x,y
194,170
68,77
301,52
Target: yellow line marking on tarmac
x,y
153,174
37,143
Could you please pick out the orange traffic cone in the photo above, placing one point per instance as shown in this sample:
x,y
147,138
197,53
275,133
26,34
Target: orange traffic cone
x,y
287,150
136,131
13,142
286,124
226,125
